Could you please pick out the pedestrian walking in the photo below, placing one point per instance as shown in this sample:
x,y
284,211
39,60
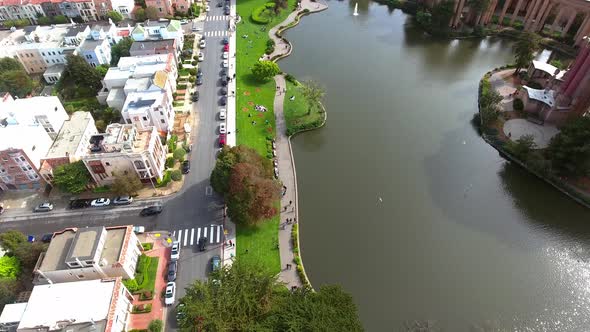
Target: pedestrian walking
x,y
290,202
231,244
294,220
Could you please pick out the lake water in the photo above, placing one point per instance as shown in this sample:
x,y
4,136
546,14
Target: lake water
x,y
404,205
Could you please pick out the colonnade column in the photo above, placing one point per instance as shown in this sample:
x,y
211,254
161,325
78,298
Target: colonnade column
x,y
583,30
516,10
458,13
569,23
490,12
541,23
504,10
529,10
555,23
538,6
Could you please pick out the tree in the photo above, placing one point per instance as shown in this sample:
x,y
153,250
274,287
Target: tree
x,y
9,267
14,79
522,146
140,15
246,297
102,70
72,178
524,48
176,175
156,325
43,20
19,23
27,253
313,93
11,240
120,49
476,8
126,184
82,73
569,151
264,70
10,64
151,12
179,154
441,16
60,19
115,16
8,291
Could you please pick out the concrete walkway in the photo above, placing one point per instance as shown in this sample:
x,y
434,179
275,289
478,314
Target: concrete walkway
x,y
542,134
287,173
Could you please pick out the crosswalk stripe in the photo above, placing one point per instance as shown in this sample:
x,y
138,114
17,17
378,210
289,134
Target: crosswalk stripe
x,y
218,233
198,233
211,234
204,231
185,237
179,236
192,235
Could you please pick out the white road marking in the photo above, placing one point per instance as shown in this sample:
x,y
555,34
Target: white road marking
x,y
211,234
179,239
198,233
204,231
218,234
185,237
192,236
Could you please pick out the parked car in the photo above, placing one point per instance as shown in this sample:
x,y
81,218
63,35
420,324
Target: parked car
x,y
223,91
199,80
223,100
223,72
151,210
207,8
79,203
222,128
99,202
186,167
175,251
226,11
223,80
43,207
47,238
219,4
122,200
195,96
201,56
184,21
225,40
225,63
172,268
203,244
138,229
226,48
221,140
215,263
202,43
199,72
225,55
222,114
170,295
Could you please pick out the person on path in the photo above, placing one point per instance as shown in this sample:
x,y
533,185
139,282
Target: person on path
x,y
290,202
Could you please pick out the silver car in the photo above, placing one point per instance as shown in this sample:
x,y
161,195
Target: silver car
x,y
123,200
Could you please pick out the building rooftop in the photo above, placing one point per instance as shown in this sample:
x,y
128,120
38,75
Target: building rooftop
x,y
75,306
153,45
12,313
140,102
75,30
91,44
545,96
138,67
55,69
549,69
70,135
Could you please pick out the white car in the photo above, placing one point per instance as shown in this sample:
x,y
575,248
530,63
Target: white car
x,y
225,55
100,202
202,43
139,229
170,296
222,128
184,21
225,63
207,8
201,56
175,251
222,114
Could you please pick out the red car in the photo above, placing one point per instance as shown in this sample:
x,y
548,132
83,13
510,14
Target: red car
x,y
226,48
221,140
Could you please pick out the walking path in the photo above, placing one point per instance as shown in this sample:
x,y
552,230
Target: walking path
x,y
287,172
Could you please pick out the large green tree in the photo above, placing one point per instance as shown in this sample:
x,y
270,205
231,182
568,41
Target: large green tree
x,y
524,49
115,16
140,15
313,93
14,79
10,64
245,297
82,73
121,49
265,70
27,253
9,267
441,16
569,151
72,178
151,12
126,184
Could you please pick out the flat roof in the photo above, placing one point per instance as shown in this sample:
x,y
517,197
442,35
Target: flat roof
x,y
548,68
153,45
12,313
55,69
70,135
91,44
55,306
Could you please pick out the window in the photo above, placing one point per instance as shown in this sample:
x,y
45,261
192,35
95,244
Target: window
x,y
162,120
108,164
43,53
144,118
80,276
29,168
160,9
33,148
161,113
24,168
22,158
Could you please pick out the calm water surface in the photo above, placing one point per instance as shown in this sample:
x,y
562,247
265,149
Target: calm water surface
x,y
461,240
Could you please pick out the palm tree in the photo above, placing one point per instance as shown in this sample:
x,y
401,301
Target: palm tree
x,y
524,48
313,93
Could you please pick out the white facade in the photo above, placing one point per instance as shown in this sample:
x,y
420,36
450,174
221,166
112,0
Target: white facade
x,y
125,7
20,9
149,108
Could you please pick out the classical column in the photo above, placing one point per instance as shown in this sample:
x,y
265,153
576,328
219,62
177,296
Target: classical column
x,y
571,89
458,13
569,23
541,23
555,23
504,9
529,10
491,11
573,70
516,10
533,15
581,29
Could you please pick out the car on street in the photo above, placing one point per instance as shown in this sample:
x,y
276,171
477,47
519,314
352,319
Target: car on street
x,y
175,251
199,80
223,91
184,21
99,202
186,167
226,11
219,4
225,40
207,8
122,200
225,63
199,72
221,140
172,268
223,72
222,114
215,263
47,238
201,56
226,48
138,229
276,172
43,207
223,80
202,243
202,43
195,96
170,295
151,210
196,28
222,128
223,100
79,203
225,55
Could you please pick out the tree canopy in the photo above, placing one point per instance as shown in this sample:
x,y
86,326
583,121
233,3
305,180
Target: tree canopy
x,y
82,73
246,180
72,178
115,16
120,49
151,12
9,267
126,184
264,70
313,93
569,151
14,79
245,297
526,45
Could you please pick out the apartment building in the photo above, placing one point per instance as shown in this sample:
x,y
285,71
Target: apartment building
x,y
82,306
21,9
27,130
124,149
152,47
89,253
164,7
71,144
158,30
145,109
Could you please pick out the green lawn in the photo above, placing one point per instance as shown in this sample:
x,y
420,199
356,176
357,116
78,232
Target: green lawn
x,y
296,111
261,242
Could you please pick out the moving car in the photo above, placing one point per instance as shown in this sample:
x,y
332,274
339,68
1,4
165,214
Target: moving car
x,y
138,229
225,63
170,294
223,100
195,96
151,210
202,43
222,114
47,238
225,41
203,244
175,251
215,263
43,207
186,167
100,202
222,128
79,203
172,268
221,140
225,54
122,200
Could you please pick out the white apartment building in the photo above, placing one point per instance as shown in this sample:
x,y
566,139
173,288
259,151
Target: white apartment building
x,y
124,149
157,30
21,9
82,306
89,253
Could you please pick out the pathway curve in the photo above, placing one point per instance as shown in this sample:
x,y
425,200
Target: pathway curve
x,y
287,172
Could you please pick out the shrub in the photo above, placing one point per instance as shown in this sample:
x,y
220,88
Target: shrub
x,y
147,245
142,308
164,181
146,295
131,285
195,62
156,325
179,154
170,162
291,78
517,104
260,15
180,86
176,175
192,71
191,79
